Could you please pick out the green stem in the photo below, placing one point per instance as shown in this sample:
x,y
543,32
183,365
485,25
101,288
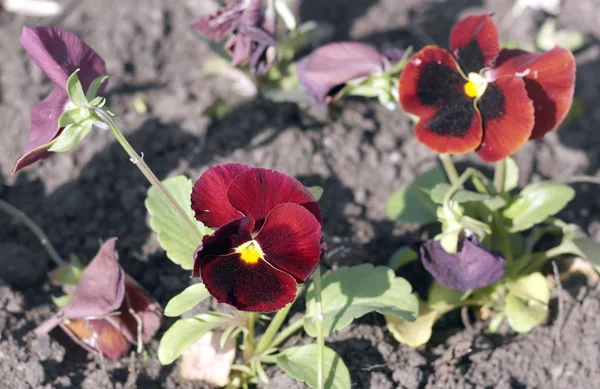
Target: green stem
x,y
265,342
449,168
500,175
147,172
249,339
504,237
30,224
286,333
320,335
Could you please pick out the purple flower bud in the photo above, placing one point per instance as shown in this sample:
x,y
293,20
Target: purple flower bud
x,y
471,267
334,64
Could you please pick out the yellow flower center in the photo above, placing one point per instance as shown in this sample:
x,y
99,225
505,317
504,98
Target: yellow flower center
x,y
250,252
476,85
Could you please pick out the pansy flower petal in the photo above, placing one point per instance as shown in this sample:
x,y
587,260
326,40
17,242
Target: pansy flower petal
x,y
209,195
224,241
335,64
474,42
254,287
144,306
291,240
59,53
508,118
97,336
255,192
219,24
44,128
549,80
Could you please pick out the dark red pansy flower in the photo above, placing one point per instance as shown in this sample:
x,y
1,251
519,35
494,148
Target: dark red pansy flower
x,y
99,315
58,53
268,236
471,267
330,66
478,97
250,33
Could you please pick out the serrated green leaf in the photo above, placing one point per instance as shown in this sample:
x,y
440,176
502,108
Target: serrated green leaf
x,y
71,136
415,333
73,116
75,90
402,257
316,191
182,334
460,196
536,202
186,300
299,363
350,292
62,300
173,234
411,204
92,92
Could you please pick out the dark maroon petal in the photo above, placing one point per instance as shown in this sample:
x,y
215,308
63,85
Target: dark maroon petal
x,y
256,192
145,307
219,24
209,195
335,64
97,336
471,267
474,42
291,240
44,128
224,241
59,53
257,287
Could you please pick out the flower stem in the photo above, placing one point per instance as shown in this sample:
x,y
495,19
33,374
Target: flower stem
x,y
147,172
249,339
320,335
30,224
500,175
449,168
267,339
286,333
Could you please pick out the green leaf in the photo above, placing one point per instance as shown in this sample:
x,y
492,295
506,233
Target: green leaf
x,y
511,175
173,234
579,243
73,116
415,333
75,90
526,304
536,202
66,275
62,300
496,322
182,334
316,191
402,257
300,363
350,292
71,136
186,300
411,204
92,91
441,298
460,196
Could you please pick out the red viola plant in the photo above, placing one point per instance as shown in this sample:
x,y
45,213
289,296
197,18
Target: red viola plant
x,y
108,311
478,97
59,53
268,236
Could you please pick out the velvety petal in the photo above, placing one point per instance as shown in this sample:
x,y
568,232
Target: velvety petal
x,y
257,287
219,24
255,192
291,240
508,118
550,82
97,336
44,128
335,64
471,267
209,195
144,306
474,42
59,53
223,241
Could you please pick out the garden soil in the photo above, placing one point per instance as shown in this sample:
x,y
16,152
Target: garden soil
x,y
94,192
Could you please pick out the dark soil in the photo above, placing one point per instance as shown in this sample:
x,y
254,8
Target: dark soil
x,y
94,192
